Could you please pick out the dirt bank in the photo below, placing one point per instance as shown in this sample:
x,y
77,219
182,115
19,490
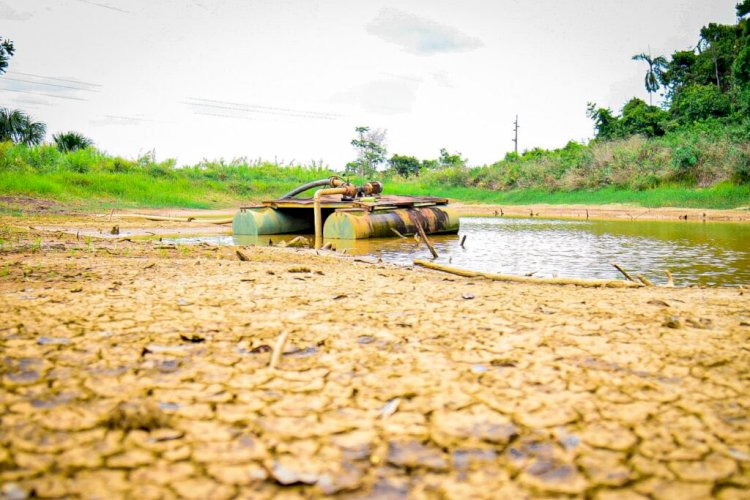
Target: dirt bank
x,y
138,369
608,212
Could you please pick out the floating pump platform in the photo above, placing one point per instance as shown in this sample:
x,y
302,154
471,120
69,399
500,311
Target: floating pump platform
x,y
345,211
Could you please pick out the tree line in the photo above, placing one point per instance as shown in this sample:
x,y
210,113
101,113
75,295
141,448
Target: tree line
x,y
710,81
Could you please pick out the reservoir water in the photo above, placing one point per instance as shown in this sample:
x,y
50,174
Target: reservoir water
x,y
695,253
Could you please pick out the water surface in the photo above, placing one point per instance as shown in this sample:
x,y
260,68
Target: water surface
x,y
695,253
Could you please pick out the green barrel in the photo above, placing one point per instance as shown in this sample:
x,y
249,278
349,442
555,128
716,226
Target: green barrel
x,y
266,220
356,224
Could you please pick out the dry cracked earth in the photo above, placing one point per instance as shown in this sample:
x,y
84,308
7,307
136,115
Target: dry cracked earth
x,y
134,369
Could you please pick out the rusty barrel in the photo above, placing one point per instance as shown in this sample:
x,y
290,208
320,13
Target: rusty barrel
x,y
264,220
360,224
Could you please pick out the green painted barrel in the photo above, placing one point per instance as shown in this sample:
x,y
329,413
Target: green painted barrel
x,y
266,220
356,224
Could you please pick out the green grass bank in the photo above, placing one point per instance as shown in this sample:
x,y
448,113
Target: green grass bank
x,y
706,166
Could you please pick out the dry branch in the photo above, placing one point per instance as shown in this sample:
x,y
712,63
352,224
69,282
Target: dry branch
x,y
644,280
427,242
526,279
670,280
624,272
278,349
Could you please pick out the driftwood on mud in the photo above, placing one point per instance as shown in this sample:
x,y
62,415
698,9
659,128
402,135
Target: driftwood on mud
x,y
644,280
278,350
670,280
162,218
527,279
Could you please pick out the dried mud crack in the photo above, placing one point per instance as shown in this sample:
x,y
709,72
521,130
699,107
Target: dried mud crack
x,y
135,370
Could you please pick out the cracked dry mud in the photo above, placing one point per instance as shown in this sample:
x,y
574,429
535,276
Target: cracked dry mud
x,y
141,372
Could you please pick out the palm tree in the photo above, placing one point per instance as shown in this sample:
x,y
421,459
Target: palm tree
x,y
6,51
656,67
16,126
71,141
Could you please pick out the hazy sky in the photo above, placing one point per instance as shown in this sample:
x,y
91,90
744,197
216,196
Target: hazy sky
x,y
290,79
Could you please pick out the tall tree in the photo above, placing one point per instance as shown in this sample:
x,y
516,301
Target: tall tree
x,y
656,67
6,52
16,126
371,151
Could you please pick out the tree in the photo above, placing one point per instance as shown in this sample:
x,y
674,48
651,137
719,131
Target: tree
x,y
743,9
16,126
450,160
606,124
71,141
405,165
641,118
371,151
699,102
656,67
6,52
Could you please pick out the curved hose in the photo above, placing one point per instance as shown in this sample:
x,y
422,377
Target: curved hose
x,y
331,181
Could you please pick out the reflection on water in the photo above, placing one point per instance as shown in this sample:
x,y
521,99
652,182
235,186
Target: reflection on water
x,y
711,254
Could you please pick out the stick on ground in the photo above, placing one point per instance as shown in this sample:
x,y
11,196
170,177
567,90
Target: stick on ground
x,y
624,272
670,280
397,233
644,280
278,350
463,240
526,279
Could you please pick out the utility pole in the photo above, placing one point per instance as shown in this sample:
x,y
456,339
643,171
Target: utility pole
x,y
515,131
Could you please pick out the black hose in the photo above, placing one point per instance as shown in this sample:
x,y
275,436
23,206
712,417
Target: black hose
x,y
309,185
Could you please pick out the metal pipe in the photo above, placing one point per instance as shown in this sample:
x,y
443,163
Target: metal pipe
x,y
332,181
348,190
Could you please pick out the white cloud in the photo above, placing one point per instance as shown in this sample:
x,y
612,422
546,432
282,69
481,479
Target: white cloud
x,y
418,35
384,96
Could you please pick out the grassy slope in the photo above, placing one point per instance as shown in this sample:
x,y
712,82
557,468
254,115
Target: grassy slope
x,y
104,190
651,173
723,195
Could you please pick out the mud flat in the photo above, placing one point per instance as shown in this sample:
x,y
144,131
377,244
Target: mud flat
x,y
607,212
138,369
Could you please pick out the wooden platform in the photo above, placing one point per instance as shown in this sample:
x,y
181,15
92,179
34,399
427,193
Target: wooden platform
x,y
334,201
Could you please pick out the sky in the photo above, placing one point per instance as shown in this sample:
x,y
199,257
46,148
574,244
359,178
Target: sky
x,y
289,80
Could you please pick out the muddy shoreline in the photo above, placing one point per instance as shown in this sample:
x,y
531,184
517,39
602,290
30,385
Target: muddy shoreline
x,y
139,369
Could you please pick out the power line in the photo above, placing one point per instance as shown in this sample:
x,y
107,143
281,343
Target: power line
x,y
42,93
255,108
129,118
224,116
79,82
104,6
48,84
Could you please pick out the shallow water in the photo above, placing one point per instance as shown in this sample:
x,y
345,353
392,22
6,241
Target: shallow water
x,y
695,253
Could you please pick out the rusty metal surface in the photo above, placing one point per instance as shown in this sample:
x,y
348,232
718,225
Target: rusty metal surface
x,y
334,201
351,225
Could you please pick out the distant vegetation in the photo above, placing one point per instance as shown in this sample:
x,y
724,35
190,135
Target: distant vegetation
x,y
691,150
699,137
88,178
